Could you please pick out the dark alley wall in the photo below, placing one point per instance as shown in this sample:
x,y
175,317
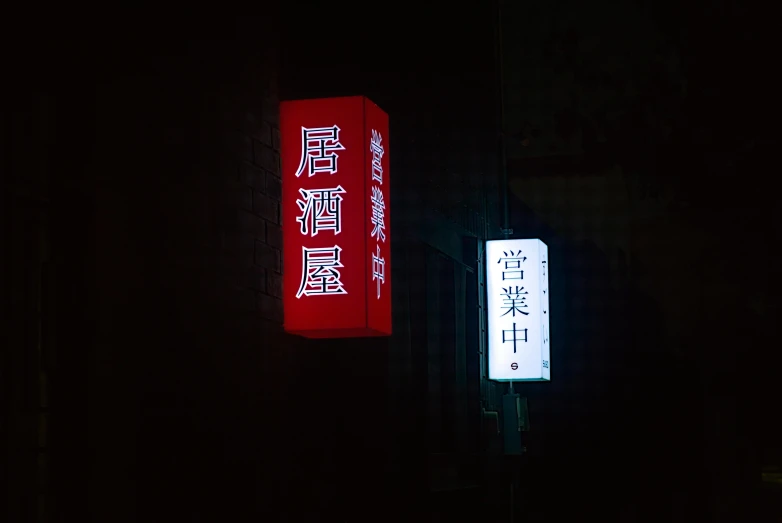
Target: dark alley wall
x,y
165,210
148,377
174,395
171,397
647,128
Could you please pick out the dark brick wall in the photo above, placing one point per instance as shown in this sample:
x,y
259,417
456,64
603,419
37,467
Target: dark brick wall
x,y
176,396
25,359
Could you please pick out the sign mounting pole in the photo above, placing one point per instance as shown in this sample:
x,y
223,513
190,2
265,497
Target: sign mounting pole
x,y
501,160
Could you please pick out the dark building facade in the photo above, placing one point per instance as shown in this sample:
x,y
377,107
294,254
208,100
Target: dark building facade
x,y
148,377
145,372
630,141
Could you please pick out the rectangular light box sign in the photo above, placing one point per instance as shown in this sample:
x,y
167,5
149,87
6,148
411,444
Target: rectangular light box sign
x,y
518,310
336,218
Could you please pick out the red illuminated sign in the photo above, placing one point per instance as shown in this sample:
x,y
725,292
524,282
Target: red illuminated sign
x,y
336,218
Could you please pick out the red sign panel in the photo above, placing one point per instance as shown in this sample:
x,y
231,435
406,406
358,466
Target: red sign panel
x,y
336,218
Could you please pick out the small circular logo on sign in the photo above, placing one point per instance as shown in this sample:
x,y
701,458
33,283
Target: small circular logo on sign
x,y
514,366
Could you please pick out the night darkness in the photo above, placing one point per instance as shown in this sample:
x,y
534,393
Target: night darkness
x,y
145,372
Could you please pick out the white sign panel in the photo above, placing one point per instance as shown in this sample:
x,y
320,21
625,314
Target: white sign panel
x,y
517,298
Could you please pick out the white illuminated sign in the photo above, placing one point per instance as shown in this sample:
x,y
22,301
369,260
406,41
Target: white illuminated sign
x,y
517,298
